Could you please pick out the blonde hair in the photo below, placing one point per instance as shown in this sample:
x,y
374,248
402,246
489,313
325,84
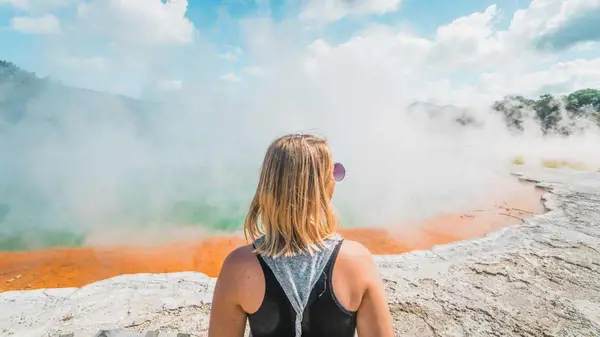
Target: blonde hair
x,y
292,197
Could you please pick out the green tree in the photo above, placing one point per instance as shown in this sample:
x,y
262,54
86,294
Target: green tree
x,y
585,103
514,109
547,112
583,98
7,69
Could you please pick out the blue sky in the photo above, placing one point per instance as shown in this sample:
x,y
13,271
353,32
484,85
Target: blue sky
x,y
515,45
219,20
422,15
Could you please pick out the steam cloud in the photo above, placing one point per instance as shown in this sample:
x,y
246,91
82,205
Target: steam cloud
x,y
87,162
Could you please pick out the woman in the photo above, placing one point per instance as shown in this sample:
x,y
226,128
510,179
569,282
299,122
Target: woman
x,y
298,278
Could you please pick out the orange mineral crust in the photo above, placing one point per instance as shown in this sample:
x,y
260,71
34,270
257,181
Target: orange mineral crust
x,y
77,267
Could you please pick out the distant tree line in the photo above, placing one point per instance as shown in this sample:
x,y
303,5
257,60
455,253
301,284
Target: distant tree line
x,y
10,73
554,114
561,115
17,86
23,92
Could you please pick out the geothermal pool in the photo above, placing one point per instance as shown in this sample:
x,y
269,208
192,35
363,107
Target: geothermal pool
x,y
109,253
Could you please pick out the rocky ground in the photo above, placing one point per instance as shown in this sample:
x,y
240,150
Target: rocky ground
x,y
541,278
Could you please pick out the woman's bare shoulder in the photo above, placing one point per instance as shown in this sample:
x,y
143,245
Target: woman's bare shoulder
x,y
241,254
241,279
241,271
240,259
240,265
355,250
356,257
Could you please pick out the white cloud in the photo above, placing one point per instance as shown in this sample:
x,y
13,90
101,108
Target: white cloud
x,y
233,54
253,70
43,25
231,78
37,6
445,68
96,63
470,39
562,77
8,2
169,85
475,40
332,10
230,56
134,40
586,46
545,16
136,22
559,24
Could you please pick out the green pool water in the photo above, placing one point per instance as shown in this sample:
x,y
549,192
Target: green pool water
x,y
39,232
44,231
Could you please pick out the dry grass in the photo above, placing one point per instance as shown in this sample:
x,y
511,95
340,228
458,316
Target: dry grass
x,y
559,164
565,165
518,160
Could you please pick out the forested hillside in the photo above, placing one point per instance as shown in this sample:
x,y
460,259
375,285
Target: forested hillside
x,y
23,92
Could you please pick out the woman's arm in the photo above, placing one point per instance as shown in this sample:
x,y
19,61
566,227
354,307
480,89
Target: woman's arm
x,y
373,317
227,318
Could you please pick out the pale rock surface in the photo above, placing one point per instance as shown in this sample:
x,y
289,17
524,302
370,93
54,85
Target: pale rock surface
x,y
541,278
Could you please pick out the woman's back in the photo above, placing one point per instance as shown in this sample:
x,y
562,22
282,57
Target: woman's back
x,y
354,298
302,283
298,278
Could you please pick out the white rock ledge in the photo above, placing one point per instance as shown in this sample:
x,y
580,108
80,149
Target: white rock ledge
x,y
541,278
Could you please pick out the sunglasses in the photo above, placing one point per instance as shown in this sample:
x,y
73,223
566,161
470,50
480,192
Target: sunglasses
x,y
339,172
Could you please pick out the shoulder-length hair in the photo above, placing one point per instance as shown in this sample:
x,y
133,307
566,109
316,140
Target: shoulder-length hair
x,y
292,199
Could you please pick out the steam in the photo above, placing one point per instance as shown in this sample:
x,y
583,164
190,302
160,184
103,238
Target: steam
x,y
85,162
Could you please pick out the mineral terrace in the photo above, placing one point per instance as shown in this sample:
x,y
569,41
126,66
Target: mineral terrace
x,y
541,278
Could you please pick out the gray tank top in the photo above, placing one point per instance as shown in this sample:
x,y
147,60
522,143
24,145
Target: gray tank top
x,y
298,274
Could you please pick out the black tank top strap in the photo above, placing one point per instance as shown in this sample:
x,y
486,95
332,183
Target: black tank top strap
x,y
329,279
332,259
270,278
265,267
